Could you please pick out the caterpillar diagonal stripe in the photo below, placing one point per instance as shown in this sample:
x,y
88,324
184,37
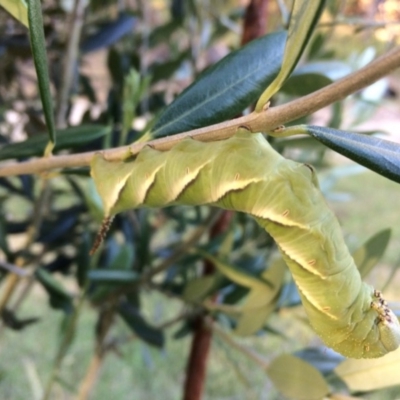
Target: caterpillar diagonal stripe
x,y
245,174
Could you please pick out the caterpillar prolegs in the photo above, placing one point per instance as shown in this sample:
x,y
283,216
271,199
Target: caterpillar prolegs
x,y
245,174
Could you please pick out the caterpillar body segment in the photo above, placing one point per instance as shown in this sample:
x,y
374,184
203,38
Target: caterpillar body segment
x,y
245,174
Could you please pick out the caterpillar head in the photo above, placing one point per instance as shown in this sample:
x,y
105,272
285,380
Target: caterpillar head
x,y
388,324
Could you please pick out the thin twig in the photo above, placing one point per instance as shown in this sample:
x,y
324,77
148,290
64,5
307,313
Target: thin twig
x,y
91,376
256,122
13,268
11,281
249,353
105,322
183,247
69,67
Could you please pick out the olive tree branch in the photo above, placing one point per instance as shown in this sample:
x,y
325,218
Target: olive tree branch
x,y
262,121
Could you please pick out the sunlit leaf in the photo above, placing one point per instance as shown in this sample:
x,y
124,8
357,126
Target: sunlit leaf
x,y
303,19
18,9
297,379
197,288
371,374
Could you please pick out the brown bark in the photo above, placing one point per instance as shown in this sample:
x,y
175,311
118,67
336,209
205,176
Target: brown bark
x,y
255,20
254,26
197,363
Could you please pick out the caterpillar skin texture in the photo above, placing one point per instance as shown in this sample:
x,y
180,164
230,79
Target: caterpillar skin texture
x,y
245,174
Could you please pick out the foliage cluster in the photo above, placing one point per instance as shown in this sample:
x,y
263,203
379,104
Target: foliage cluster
x,y
149,52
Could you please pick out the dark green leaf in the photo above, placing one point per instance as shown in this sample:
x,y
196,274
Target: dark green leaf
x,y
113,276
167,69
303,84
59,298
316,45
183,331
124,258
377,154
110,33
117,272
140,326
313,76
3,236
159,34
12,321
66,138
83,260
38,44
337,115
225,89
87,88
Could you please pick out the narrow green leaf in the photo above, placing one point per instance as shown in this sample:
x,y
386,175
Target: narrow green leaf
x,y
18,9
379,155
59,298
251,321
165,70
83,260
119,270
113,276
3,236
367,256
198,288
260,303
140,326
66,138
303,84
38,45
313,76
159,33
225,89
297,379
92,199
371,374
273,278
235,274
124,258
304,17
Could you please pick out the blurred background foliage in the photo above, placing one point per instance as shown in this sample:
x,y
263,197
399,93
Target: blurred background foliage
x,y
136,320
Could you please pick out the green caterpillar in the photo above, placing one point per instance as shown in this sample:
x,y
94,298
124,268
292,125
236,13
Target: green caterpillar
x,y
245,174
